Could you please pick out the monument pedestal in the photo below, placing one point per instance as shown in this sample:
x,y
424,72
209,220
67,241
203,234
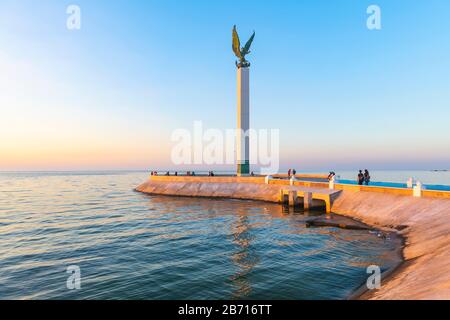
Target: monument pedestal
x,y
243,169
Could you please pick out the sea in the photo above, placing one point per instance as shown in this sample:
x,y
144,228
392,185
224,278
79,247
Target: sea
x,y
89,235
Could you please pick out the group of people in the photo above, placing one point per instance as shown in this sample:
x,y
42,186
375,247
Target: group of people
x,y
363,178
210,173
168,173
291,172
188,173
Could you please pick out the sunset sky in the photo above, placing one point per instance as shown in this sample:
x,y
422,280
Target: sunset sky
x,y
109,96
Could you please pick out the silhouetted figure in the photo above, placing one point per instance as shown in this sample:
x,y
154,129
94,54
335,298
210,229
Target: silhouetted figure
x,y
167,173
331,175
289,173
366,177
294,172
193,173
252,174
176,173
360,178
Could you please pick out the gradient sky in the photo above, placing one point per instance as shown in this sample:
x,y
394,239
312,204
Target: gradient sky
x,y
109,95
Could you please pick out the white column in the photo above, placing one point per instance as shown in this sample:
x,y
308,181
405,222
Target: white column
x,y
292,180
332,182
267,179
417,190
243,121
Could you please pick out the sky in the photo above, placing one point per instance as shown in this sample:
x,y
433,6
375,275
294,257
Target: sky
x,y
110,95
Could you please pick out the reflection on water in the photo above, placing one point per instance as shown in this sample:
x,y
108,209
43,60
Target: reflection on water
x,y
133,246
245,257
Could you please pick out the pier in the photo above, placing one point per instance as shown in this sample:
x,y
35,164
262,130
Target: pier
x,y
308,197
298,193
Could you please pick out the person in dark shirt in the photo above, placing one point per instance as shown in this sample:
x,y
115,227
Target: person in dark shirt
x,y
360,178
366,177
331,175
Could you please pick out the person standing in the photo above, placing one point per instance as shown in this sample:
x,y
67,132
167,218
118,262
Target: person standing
x,y
366,177
360,178
289,173
331,175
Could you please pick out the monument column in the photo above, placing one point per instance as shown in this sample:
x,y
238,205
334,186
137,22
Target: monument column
x,y
243,103
243,121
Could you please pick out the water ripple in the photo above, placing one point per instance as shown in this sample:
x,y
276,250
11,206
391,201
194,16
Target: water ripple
x,y
132,246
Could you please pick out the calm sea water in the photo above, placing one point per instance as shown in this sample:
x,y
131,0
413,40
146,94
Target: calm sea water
x,y
134,246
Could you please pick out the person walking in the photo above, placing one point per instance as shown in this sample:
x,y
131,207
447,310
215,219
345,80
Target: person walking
x,y
366,177
360,178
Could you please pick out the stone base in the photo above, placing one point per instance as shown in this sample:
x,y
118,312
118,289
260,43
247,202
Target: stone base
x,y
243,168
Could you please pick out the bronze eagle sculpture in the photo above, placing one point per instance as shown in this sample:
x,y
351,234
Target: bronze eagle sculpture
x,y
241,52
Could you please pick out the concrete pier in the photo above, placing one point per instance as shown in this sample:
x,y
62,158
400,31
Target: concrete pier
x,y
425,225
308,197
248,188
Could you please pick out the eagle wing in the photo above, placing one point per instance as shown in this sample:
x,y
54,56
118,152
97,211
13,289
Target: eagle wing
x,y
236,44
247,46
